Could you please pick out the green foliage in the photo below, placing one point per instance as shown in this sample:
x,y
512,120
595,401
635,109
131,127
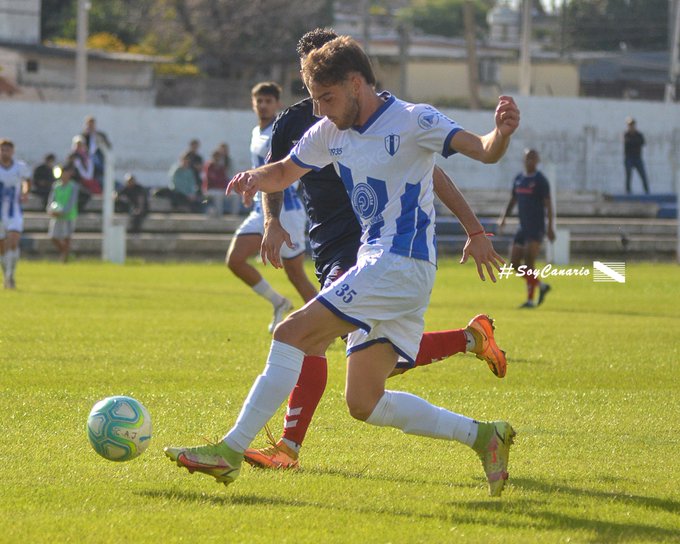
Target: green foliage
x,y
592,390
444,17
611,24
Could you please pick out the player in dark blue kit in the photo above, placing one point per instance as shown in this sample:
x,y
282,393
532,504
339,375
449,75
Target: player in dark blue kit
x,y
531,192
334,236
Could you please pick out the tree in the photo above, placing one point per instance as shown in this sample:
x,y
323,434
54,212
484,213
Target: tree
x,y
612,24
233,38
444,17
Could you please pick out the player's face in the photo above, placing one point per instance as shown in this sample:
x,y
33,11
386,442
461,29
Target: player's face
x,y
265,106
6,153
337,102
530,161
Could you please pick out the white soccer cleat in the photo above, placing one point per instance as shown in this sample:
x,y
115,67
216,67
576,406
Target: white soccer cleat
x,y
279,313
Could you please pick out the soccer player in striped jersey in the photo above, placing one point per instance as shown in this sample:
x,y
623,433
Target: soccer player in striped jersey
x,y
383,149
334,236
248,237
14,185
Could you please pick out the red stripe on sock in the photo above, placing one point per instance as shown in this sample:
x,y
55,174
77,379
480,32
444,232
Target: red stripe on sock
x,y
305,397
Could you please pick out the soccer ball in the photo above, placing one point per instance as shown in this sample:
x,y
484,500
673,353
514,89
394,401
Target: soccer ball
x,y
55,207
119,428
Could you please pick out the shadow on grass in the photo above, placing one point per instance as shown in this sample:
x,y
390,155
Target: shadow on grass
x,y
363,475
547,518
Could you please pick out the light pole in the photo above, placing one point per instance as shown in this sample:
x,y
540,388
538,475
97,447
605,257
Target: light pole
x,y
81,51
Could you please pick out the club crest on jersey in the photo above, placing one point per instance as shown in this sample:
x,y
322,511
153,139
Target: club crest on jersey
x,y
365,200
392,143
428,120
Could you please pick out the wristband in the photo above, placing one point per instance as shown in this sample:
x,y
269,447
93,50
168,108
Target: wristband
x,y
480,232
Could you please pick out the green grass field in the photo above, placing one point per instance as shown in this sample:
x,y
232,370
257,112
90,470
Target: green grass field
x,y
592,390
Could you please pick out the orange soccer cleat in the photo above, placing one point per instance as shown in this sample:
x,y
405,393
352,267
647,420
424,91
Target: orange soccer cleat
x,y
481,327
276,455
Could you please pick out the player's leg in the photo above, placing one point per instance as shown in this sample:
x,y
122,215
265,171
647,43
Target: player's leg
x,y
306,395
640,167
295,271
242,247
532,250
310,329
12,254
368,401
3,260
518,253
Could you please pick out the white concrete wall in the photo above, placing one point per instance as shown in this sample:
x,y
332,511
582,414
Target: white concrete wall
x,y
580,140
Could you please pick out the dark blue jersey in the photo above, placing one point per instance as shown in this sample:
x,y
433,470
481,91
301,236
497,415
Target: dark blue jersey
x,y
334,230
530,191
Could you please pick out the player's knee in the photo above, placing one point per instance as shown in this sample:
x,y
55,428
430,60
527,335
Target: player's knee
x,y
360,406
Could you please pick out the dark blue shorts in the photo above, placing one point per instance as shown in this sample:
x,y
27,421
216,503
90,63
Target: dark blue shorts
x,y
524,236
329,271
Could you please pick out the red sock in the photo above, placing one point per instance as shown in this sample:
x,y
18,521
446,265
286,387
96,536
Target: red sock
x,y
438,345
531,286
305,398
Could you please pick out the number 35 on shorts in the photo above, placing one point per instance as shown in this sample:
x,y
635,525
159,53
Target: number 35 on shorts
x,y
346,293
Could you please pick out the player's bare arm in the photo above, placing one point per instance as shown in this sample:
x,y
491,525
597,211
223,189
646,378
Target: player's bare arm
x,y
478,246
274,233
508,211
549,213
270,178
492,146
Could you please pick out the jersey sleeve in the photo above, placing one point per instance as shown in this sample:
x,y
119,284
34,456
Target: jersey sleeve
x,y
310,152
281,143
434,130
24,171
545,186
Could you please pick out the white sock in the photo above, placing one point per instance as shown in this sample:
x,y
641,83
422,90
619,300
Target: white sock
x,y
3,262
470,342
12,259
265,290
414,415
270,389
292,445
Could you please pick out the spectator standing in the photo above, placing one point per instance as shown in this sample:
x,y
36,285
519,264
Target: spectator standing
x,y
133,199
43,178
63,210
633,140
215,178
96,143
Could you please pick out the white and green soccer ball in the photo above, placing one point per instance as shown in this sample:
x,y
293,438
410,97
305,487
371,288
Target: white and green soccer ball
x,y
119,428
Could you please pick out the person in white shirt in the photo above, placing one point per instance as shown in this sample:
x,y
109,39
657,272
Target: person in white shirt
x,y
14,185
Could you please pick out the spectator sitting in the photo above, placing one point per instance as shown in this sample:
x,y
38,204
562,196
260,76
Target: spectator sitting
x,y
43,178
195,160
183,193
215,179
63,210
84,166
134,200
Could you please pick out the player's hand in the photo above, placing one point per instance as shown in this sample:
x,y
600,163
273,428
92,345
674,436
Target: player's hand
x,y
245,184
272,240
507,115
551,234
481,250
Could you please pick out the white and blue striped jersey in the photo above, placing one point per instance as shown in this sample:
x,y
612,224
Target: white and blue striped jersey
x,y
386,166
260,144
11,179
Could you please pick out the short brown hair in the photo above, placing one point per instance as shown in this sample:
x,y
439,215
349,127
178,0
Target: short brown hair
x,y
5,142
335,61
268,88
314,39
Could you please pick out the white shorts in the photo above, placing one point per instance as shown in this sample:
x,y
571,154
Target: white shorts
x,y
15,223
294,221
385,295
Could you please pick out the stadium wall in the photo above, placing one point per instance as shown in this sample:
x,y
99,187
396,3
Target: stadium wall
x,y
580,140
